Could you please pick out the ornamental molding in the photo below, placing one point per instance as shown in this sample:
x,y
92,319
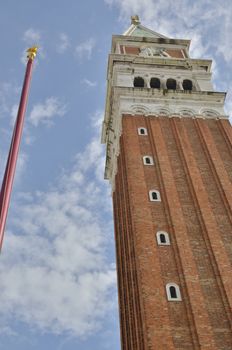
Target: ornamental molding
x,y
153,104
158,61
139,108
175,110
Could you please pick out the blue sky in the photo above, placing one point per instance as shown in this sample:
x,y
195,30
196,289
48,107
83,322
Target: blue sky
x,y
57,267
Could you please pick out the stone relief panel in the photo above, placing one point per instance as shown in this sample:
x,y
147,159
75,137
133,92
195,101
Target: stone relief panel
x,y
153,52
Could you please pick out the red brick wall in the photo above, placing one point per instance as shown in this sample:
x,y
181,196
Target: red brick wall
x,y
132,50
175,53
192,171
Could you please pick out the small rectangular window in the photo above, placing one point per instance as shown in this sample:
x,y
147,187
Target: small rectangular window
x,y
142,131
148,160
162,238
154,196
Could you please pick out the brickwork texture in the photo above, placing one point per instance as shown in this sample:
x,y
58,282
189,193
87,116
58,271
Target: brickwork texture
x,y
193,172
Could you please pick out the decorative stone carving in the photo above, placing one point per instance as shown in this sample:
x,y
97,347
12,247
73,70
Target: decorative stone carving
x,y
153,52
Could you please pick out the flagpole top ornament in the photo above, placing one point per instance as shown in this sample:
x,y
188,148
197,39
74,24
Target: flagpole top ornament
x,y
31,52
135,20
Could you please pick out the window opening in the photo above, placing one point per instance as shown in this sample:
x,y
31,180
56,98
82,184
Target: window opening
x,y
147,160
173,292
142,131
155,83
162,238
187,85
171,84
139,82
154,196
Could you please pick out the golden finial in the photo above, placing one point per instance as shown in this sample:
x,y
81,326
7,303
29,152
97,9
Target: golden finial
x,y
31,52
135,20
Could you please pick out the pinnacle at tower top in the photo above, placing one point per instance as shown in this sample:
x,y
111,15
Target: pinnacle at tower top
x,y
151,74
169,160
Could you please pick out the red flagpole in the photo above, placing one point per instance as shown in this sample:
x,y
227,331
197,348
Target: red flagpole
x,y
8,178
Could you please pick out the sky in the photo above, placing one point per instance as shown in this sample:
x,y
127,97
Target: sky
x,y
57,266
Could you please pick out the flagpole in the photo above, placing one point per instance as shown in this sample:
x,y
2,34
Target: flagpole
x,y
8,178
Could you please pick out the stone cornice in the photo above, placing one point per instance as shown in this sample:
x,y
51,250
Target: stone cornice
x,y
187,63
143,40
158,98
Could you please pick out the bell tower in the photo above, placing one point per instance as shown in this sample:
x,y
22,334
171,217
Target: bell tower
x,y
169,161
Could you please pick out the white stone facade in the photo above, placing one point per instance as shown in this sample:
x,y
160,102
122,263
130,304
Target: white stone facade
x,y
124,98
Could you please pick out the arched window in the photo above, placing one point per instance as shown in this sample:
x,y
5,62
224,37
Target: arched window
x,y
155,83
173,292
148,160
142,131
187,85
138,82
154,196
162,238
171,84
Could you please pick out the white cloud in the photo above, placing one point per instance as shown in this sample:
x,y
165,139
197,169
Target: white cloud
x,y
21,166
44,113
64,43
32,36
84,50
23,58
89,83
9,91
7,331
208,23
28,138
58,278
13,113
97,119
197,48
41,113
